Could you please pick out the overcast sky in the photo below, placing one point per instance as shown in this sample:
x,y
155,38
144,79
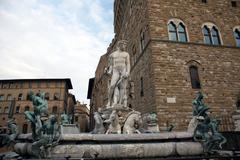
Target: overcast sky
x,y
54,39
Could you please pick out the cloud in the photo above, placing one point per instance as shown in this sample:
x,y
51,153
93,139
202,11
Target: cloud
x,y
54,38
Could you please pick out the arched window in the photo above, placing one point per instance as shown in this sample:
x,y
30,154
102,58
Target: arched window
x,y
54,110
211,34
172,29
27,108
20,97
215,36
6,110
177,31
18,109
182,33
207,35
237,36
195,81
47,96
25,129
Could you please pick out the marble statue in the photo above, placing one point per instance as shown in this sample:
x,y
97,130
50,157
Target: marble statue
x,y
114,127
119,69
133,123
99,128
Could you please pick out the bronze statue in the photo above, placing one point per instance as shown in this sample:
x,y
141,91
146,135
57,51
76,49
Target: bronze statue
x,y
206,130
45,130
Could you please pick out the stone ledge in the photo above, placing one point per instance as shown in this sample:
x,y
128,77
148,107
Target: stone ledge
x,y
127,137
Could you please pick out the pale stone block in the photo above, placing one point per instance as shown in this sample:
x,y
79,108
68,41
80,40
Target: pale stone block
x,y
189,148
171,99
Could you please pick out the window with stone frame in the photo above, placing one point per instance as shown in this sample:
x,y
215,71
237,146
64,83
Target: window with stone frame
x,y
215,36
131,7
2,97
142,40
172,29
20,97
238,101
234,3
204,1
238,104
211,35
177,31
6,110
47,84
12,85
134,55
38,84
141,87
76,119
54,110
182,35
27,108
47,96
194,76
18,109
5,85
56,96
9,97
30,84
207,35
28,97
25,128
237,36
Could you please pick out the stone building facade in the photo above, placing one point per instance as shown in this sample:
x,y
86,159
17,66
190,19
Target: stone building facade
x,y
56,92
178,48
81,116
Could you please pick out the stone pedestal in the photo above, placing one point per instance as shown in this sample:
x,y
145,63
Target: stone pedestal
x,y
120,146
69,129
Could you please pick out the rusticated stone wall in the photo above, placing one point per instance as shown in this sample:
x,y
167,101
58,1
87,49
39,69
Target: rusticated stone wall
x,y
161,69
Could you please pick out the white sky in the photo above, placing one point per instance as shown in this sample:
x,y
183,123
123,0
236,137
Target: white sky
x,y
54,39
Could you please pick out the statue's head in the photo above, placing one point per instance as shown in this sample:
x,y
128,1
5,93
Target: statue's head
x,y
122,45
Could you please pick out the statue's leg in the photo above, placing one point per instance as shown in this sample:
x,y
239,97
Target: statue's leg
x,y
115,96
114,80
38,125
123,93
